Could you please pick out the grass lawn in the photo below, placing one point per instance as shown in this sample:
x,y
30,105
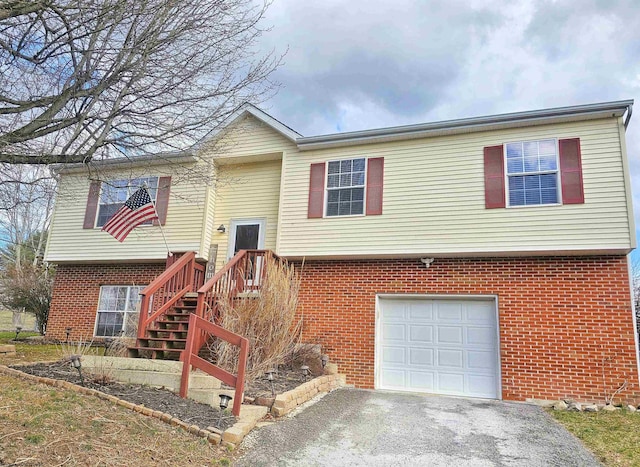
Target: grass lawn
x,y
6,321
41,425
614,437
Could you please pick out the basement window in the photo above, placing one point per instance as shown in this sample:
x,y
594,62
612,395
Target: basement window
x,y
118,310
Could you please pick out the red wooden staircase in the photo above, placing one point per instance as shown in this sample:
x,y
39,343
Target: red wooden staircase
x,y
175,323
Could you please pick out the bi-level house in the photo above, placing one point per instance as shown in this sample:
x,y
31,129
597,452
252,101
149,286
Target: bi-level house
x,y
482,257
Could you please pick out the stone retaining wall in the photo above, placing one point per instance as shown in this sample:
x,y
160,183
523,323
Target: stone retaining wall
x,y
287,401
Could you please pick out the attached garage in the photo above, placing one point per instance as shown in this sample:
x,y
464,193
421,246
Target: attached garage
x,y
438,345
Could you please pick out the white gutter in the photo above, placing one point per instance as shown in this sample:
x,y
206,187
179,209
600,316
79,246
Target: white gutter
x,y
467,125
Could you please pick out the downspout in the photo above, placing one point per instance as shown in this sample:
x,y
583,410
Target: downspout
x,y
629,113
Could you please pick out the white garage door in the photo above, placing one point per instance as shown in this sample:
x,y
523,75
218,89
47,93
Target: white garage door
x,y
438,346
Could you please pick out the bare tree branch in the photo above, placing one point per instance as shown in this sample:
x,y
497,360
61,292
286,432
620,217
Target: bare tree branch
x,y
89,79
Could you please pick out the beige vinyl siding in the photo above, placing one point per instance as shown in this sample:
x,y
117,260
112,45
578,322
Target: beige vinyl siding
x,y
250,191
247,139
70,242
434,200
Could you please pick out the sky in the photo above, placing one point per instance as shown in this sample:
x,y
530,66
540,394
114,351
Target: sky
x,y
363,64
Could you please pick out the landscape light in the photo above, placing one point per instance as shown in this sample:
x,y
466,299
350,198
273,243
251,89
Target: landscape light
x,y
18,329
305,371
270,376
224,403
324,360
77,364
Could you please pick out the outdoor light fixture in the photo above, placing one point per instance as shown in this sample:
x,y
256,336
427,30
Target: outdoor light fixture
x,y
77,364
324,359
222,228
305,371
224,403
270,376
68,330
18,329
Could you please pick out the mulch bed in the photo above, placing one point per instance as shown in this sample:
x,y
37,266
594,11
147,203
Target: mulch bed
x,y
187,410
286,379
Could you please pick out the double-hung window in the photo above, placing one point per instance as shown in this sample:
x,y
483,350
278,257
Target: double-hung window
x,y
116,192
117,310
532,172
345,187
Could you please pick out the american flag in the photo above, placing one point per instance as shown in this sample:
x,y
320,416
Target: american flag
x,y
135,211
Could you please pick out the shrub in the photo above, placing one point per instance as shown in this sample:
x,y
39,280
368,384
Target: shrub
x,y
267,319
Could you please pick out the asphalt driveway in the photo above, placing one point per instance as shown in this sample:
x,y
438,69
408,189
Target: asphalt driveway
x,y
369,428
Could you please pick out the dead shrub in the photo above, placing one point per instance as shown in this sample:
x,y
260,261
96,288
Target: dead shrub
x,y
266,318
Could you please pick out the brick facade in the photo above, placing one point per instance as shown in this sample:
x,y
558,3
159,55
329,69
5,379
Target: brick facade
x,y
76,291
562,319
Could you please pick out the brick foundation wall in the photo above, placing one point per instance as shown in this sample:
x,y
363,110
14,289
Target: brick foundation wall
x,y
562,319
76,291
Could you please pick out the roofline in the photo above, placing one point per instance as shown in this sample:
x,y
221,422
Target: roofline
x,y
250,109
473,124
178,157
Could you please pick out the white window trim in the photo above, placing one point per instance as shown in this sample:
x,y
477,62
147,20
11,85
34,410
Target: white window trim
x,y
506,175
95,221
98,310
326,189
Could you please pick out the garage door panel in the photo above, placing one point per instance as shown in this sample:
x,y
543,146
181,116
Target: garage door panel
x,y
421,333
482,312
477,335
393,379
450,335
420,311
442,346
450,358
391,332
483,386
449,311
393,355
422,380
477,359
421,357
451,383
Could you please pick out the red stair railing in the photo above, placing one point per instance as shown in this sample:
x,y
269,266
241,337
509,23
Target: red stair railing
x,y
199,329
243,273
182,276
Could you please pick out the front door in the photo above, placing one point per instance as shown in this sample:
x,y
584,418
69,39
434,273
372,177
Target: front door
x,y
245,234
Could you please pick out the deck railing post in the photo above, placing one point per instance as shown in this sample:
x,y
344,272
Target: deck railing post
x,y
144,314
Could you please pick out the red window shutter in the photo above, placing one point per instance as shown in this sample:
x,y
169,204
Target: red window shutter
x,y
162,200
92,205
375,178
494,177
571,171
316,191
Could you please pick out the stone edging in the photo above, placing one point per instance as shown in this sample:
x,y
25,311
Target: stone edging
x,y
287,401
213,438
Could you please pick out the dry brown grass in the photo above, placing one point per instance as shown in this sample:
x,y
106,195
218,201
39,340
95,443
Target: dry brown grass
x,y
612,436
41,425
266,319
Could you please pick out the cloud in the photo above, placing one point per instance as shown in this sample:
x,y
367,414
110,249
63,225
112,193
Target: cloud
x,y
369,64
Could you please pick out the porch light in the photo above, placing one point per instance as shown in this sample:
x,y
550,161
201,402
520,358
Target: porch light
x,y
77,364
270,377
305,371
222,228
224,403
18,329
324,360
